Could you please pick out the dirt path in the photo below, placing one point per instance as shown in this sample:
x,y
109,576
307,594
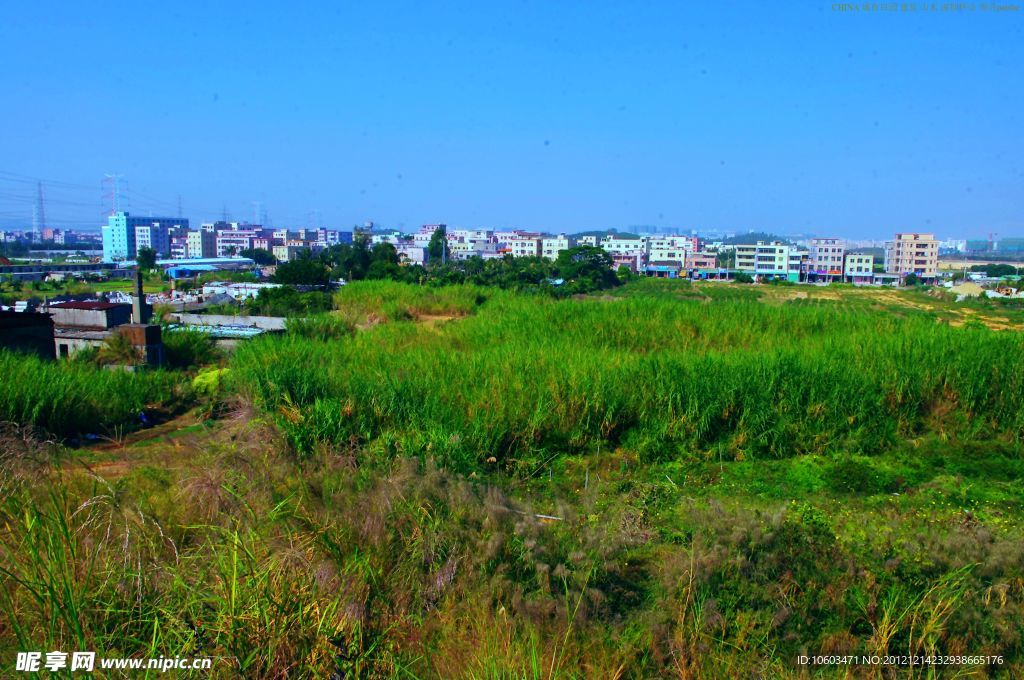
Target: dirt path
x,y
162,444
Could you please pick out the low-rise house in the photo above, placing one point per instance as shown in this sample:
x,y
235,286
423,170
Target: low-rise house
x,y
665,269
236,291
84,324
635,262
699,260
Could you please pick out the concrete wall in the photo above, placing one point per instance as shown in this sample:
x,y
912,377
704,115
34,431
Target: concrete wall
x,y
91,318
270,323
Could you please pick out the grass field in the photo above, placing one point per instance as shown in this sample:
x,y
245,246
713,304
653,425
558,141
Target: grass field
x,y
672,480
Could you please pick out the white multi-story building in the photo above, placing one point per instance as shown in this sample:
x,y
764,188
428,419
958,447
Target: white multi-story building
x,y
669,249
469,234
551,246
392,237
506,236
235,241
859,268
771,260
523,246
410,253
825,257
625,246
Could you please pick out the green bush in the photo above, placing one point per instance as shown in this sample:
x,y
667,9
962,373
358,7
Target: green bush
x,y
184,348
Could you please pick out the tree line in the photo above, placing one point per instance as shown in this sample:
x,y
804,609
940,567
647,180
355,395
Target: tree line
x,y
581,269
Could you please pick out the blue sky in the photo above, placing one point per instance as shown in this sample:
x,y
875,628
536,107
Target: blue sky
x,y
789,117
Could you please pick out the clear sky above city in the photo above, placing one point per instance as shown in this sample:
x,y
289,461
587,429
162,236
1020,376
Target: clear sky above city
x,y
787,117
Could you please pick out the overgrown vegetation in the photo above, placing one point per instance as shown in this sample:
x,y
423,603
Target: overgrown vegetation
x,y
675,480
667,379
74,397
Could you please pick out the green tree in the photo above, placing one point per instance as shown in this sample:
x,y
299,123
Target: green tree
x,y
349,260
260,256
587,266
437,249
303,271
726,259
146,259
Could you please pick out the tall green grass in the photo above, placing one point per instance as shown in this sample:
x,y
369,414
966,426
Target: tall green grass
x,y
69,397
527,378
393,301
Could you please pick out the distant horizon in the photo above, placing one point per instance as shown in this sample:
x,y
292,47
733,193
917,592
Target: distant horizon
x,y
629,229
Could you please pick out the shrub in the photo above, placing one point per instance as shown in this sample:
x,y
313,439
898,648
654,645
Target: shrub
x,y
184,348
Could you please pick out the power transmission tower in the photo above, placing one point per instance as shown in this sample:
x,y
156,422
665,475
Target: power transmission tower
x,y
113,193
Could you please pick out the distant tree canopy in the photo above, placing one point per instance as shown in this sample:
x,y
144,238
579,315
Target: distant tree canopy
x,y
587,265
260,256
358,260
998,269
303,271
581,269
754,237
146,259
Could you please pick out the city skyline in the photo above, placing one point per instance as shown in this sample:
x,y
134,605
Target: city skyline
x,y
788,120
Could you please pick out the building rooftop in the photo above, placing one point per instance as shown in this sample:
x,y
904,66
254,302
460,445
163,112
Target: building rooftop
x,y
220,331
87,305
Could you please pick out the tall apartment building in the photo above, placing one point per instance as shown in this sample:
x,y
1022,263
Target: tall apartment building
x,y
201,243
158,236
825,257
912,253
119,234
